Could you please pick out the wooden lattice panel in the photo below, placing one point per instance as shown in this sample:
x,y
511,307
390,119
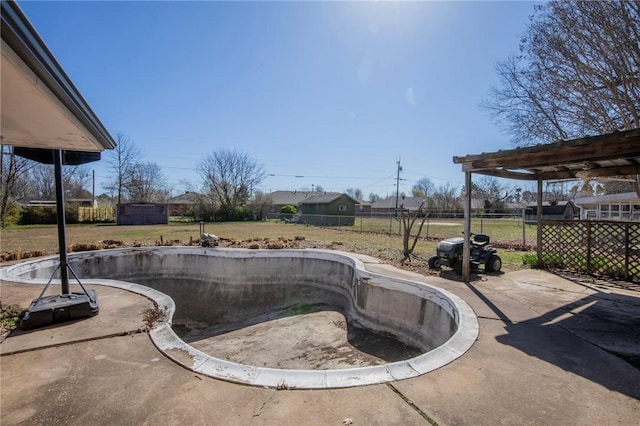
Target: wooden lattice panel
x,y
634,252
601,248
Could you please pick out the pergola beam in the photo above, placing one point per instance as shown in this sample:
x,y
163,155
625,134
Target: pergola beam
x,y
630,169
557,156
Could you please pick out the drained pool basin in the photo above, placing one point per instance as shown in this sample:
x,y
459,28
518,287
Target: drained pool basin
x,y
237,286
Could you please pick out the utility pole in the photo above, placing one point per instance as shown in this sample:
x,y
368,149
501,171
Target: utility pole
x,y
398,185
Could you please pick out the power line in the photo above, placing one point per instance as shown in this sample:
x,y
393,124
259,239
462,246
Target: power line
x,y
329,177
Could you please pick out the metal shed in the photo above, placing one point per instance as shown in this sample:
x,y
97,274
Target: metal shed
x,y
142,214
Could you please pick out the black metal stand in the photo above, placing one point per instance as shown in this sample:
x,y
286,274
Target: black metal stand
x,y
66,306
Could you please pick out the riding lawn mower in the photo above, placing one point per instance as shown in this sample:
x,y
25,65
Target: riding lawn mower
x,y
450,252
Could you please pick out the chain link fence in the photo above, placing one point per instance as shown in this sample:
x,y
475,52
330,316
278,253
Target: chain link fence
x,y
500,227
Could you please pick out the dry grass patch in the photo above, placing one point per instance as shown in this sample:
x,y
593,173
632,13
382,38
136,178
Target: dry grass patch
x,y
10,316
20,255
152,316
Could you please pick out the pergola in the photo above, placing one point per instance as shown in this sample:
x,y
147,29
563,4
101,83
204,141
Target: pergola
x,y
613,154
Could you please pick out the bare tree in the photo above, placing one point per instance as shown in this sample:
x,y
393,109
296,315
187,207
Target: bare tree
x,y
558,191
492,192
615,186
145,182
13,171
75,178
408,220
259,204
355,193
423,188
42,184
229,178
373,197
445,198
578,73
122,160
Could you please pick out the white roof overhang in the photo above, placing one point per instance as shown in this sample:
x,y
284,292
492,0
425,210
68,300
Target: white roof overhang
x,y
40,107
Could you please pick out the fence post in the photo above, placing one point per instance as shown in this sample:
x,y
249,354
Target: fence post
x,y
588,247
524,238
627,247
427,227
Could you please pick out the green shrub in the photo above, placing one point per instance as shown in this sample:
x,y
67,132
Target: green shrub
x,y
11,214
47,215
288,209
531,260
242,213
10,316
228,214
38,215
205,212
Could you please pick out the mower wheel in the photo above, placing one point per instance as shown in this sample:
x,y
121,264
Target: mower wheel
x,y
458,267
494,264
435,262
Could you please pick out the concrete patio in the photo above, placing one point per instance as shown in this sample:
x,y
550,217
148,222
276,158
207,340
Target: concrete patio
x,y
550,351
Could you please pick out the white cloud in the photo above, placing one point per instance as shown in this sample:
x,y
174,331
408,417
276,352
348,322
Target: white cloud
x,y
410,96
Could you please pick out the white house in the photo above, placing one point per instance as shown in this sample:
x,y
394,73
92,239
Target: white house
x,y
624,206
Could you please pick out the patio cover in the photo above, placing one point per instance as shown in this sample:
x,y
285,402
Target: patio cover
x,y
43,116
41,107
612,154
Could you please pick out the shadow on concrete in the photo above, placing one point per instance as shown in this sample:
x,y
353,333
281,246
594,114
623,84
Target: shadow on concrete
x,y
595,282
475,275
595,337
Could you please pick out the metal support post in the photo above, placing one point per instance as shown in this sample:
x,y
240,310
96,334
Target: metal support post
x,y
466,250
62,235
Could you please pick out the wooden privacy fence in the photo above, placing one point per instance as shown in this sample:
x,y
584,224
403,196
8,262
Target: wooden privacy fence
x,y
96,214
594,247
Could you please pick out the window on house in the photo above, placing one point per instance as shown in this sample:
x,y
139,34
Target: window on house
x,y
342,207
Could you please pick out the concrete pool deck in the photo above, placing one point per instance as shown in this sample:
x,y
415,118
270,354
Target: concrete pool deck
x,y
543,356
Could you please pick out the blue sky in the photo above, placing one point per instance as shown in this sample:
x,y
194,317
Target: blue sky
x,y
336,92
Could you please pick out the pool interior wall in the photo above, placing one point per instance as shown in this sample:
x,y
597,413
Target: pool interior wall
x,y
231,285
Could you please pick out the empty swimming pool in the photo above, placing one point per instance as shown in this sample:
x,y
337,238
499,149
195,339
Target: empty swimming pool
x,y
235,290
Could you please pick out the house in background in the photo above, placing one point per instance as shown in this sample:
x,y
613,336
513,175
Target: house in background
x,y
181,205
363,209
387,206
624,206
142,214
563,210
328,210
279,199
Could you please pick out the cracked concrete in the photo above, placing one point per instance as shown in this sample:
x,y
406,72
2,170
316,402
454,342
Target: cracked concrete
x,y
550,352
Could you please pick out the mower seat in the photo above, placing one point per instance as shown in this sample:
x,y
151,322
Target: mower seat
x,y
480,240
